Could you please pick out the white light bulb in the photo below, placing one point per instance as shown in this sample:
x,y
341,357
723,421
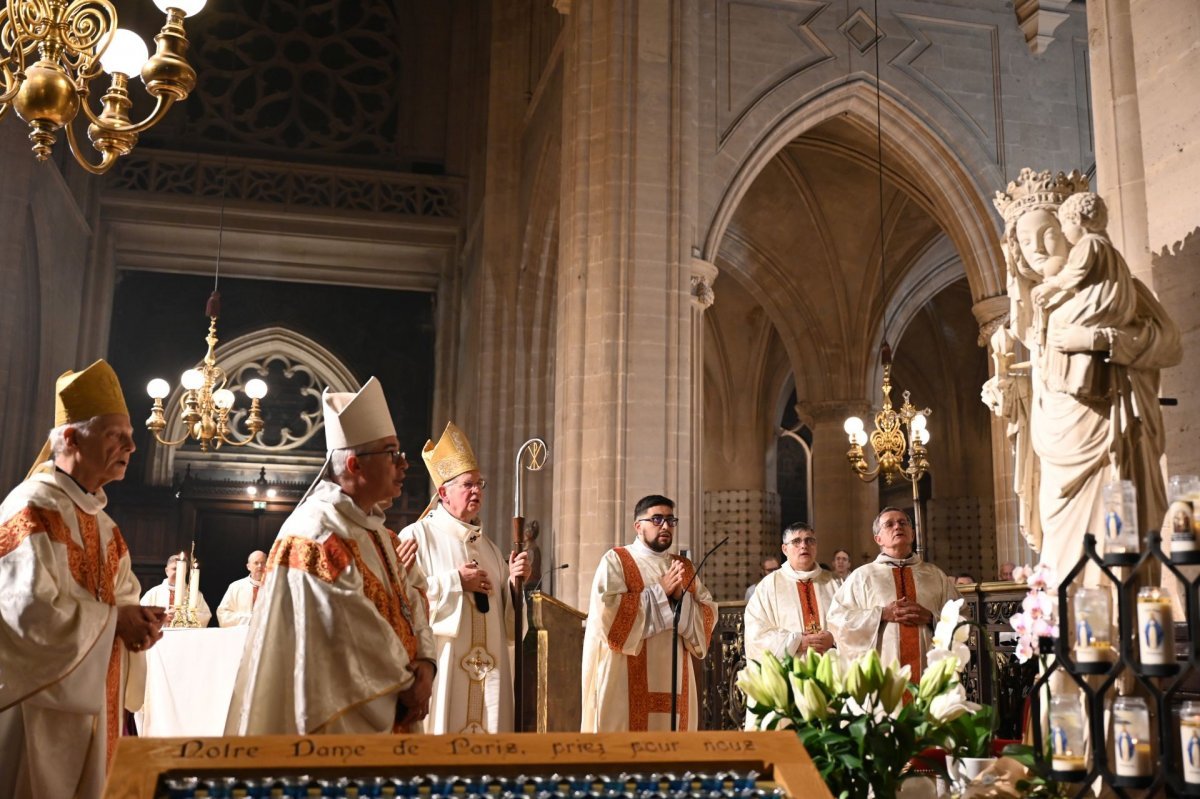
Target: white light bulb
x,y
860,438
252,491
853,425
918,422
256,389
126,53
188,7
192,379
158,388
271,493
921,436
223,398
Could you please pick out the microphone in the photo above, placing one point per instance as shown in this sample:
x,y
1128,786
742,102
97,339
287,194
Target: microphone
x,y
538,581
675,640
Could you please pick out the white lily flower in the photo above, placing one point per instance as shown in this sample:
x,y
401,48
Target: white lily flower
x,y
950,705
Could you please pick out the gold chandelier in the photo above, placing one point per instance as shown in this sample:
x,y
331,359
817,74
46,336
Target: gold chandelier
x,y
205,404
73,42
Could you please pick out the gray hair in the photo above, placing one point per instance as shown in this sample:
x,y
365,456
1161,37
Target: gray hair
x,y
338,458
58,435
878,519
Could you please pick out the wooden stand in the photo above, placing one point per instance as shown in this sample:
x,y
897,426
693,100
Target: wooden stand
x,y
777,756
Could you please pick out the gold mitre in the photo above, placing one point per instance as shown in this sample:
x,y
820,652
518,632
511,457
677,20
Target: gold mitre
x,y
79,396
450,457
1043,189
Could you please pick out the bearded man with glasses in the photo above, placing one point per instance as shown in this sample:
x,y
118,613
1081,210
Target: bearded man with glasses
x,y
467,581
786,614
627,647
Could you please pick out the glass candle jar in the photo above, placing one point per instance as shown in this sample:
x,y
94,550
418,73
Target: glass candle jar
x,y
1120,517
1189,735
1156,627
1180,523
1093,625
1131,737
1066,733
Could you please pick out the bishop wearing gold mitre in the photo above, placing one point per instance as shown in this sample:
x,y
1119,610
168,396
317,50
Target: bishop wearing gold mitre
x,y
71,628
467,579
338,641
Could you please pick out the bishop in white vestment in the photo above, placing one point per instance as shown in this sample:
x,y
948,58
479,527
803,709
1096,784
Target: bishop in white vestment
x,y
628,642
892,603
338,641
71,628
163,596
239,599
467,580
786,614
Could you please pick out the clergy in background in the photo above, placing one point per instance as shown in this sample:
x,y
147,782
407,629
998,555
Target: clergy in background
x,y
71,628
163,595
786,614
467,581
338,641
891,603
239,599
629,637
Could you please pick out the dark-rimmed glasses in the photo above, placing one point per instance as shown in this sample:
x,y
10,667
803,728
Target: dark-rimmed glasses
x,y
658,520
396,455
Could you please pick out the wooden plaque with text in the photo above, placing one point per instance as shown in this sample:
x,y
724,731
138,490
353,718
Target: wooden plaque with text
x,y
778,756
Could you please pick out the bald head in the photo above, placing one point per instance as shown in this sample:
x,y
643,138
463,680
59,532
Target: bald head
x,y
256,564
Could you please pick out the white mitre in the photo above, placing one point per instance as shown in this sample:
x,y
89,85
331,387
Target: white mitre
x,y
354,419
351,419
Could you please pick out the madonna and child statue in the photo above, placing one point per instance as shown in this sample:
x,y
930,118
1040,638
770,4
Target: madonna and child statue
x,y
1083,411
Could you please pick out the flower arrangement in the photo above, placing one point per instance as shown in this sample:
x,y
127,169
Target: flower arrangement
x,y
971,735
1037,618
862,723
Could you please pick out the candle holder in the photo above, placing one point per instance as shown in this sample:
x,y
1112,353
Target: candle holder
x,y
1155,633
1068,763
1181,522
1094,653
187,592
1189,744
1120,523
1131,743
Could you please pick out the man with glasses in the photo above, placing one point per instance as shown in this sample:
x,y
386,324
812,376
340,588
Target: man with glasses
x,y
892,603
467,582
769,564
628,643
339,641
786,615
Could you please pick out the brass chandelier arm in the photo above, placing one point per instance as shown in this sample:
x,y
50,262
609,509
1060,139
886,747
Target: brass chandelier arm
x,y
107,159
161,107
169,443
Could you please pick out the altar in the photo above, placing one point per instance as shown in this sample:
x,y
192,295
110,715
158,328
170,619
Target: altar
x,y
189,681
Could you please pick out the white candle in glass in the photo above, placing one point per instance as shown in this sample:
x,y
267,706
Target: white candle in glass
x,y
194,588
1189,735
1131,736
1156,627
180,579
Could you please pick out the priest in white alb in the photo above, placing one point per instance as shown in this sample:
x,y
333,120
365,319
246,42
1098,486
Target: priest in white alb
x,y
239,599
163,596
338,641
786,614
629,638
891,604
467,581
71,629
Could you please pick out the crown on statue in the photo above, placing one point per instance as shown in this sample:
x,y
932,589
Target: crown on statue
x,y
1037,190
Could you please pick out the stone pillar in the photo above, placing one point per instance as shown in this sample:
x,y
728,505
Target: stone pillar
x,y
704,274
991,313
623,362
1147,106
843,506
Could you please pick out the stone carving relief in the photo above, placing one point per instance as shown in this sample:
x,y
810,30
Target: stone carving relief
x,y
1039,19
703,275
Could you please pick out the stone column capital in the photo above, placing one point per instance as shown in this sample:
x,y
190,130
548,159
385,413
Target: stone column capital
x,y
562,6
704,274
991,313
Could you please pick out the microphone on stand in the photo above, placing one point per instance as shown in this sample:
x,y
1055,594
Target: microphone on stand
x,y
547,572
675,632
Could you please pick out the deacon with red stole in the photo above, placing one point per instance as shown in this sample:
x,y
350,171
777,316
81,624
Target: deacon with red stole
x,y
339,641
238,602
786,614
629,637
71,628
891,604
467,581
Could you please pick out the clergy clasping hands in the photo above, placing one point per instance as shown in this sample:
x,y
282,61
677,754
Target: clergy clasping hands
x,y
820,642
673,581
415,700
406,551
907,612
140,626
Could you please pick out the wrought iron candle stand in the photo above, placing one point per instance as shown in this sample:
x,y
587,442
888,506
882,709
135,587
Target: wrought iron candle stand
x,y
1159,683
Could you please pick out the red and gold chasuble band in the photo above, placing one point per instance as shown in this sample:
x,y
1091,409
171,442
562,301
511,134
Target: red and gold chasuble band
x,y
808,606
910,636
643,701
94,571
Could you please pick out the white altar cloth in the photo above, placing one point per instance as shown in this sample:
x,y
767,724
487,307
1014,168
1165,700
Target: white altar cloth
x,y
189,681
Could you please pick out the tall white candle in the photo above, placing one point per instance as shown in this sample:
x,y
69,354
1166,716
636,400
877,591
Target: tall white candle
x,y
180,579
194,588
1156,628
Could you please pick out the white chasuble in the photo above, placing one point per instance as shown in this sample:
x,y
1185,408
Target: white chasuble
x,y
473,690
238,603
786,604
161,596
65,678
334,629
856,618
629,639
